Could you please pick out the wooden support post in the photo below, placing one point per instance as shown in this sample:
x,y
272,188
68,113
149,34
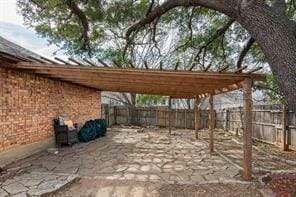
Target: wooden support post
x,y
236,132
247,132
170,114
211,123
284,146
185,119
156,118
115,115
196,116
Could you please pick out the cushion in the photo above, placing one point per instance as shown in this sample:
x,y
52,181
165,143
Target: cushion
x,y
69,123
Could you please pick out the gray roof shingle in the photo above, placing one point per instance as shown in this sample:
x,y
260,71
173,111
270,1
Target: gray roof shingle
x,y
11,48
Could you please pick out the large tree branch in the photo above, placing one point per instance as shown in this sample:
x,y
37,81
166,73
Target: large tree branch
x,y
84,22
218,33
244,52
224,6
279,6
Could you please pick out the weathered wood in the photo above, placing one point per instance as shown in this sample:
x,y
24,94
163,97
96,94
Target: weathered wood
x,y
103,63
239,70
178,84
62,61
192,66
75,61
196,116
89,62
130,62
116,63
37,59
207,68
254,70
247,132
48,60
211,123
224,68
284,145
170,114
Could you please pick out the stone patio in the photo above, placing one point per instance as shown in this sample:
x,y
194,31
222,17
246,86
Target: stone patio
x,y
126,155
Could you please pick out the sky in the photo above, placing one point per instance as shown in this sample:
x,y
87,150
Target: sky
x,y
13,29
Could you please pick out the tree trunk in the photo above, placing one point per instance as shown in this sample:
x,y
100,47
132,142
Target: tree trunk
x,y
133,111
277,38
133,99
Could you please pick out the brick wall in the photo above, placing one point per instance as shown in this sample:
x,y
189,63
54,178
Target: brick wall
x,y
29,103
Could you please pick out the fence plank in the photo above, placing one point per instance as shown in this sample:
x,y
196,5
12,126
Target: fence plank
x,y
265,129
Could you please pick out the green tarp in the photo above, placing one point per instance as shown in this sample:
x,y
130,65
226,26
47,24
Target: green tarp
x,y
92,129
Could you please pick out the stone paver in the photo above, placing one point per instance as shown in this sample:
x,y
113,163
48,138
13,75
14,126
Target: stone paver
x,y
234,151
125,154
3,193
35,184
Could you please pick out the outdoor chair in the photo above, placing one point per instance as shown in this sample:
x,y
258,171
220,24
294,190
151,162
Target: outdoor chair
x,y
65,133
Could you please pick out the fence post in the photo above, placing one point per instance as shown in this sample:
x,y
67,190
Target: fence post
x,y
227,120
284,146
170,114
176,118
185,118
115,115
156,117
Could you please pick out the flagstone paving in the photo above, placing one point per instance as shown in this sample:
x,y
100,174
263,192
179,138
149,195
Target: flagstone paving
x,y
125,155
225,145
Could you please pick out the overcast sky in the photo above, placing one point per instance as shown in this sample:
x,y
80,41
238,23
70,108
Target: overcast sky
x,y
12,28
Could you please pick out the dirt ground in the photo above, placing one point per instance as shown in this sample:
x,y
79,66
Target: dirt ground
x,y
105,188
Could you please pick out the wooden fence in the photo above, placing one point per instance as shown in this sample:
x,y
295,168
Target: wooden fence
x,y
267,120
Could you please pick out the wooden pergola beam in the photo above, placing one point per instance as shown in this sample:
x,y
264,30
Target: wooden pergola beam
x,y
75,61
89,62
207,68
37,59
130,62
117,64
239,70
143,80
254,70
150,72
103,63
224,68
192,66
48,60
62,61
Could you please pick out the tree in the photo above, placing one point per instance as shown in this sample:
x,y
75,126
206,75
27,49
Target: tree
x,y
175,34
148,100
268,23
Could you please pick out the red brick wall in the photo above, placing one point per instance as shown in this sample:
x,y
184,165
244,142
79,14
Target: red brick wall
x,y
29,103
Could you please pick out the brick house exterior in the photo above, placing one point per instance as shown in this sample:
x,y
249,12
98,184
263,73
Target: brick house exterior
x,y
28,105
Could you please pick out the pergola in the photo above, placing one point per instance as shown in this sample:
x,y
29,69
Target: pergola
x,y
173,83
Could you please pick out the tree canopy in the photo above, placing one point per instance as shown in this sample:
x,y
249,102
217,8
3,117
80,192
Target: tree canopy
x,y
174,34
